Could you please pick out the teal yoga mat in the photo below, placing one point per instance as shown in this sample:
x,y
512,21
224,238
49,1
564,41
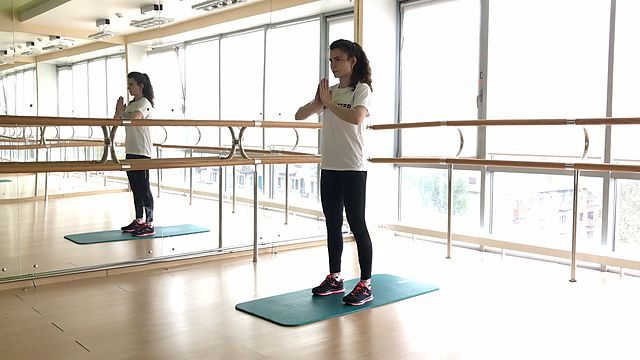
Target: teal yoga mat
x,y
300,307
4,180
117,235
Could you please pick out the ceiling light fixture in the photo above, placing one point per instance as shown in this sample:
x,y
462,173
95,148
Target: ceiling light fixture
x,y
103,33
56,43
55,47
149,8
212,5
30,50
153,21
4,55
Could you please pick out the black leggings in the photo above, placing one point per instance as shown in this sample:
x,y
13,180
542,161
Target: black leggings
x,y
142,196
346,189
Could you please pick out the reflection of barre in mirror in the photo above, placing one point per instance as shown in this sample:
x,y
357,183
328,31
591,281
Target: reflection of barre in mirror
x,y
109,145
223,156
575,168
16,133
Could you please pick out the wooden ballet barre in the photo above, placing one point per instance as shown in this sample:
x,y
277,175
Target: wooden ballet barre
x,y
147,164
509,122
20,121
289,159
110,134
56,166
508,163
32,146
74,140
171,163
178,163
221,149
9,139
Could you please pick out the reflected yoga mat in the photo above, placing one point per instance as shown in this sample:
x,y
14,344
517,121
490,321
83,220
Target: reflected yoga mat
x,y
4,180
117,235
300,307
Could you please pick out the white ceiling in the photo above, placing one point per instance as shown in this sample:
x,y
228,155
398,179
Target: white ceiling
x,y
82,14
73,20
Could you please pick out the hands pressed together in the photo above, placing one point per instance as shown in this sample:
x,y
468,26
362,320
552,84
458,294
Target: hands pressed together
x,y
322,99
120,106
323,94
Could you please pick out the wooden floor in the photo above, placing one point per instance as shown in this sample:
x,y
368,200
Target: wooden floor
x,y
488,307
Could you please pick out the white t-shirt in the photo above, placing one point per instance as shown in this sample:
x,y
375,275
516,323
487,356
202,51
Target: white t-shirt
x,y
342,146
138,141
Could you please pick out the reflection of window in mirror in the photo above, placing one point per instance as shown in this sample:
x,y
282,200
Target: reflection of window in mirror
x,y
339,27
18,91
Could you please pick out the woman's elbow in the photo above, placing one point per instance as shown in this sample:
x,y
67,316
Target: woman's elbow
x,y
300,115
359,115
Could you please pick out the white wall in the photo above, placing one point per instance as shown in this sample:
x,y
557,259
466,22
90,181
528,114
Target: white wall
x,y
47,89
136,56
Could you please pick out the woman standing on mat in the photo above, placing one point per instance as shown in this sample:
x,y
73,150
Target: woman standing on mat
x,y
343,177
138,146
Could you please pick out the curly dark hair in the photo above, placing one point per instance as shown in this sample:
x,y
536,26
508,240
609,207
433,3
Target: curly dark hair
x,y
361,70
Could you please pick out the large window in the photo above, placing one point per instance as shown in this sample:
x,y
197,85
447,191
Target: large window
x,y
97,80
546,62
18,93
424,199
166,72
340,27
65,87
202,86
26,98
10,91
627,233
626,98
624,149
439,59
90,89
7,93
4,93
283,98
538,209
439,82
116,82
241,81
81,90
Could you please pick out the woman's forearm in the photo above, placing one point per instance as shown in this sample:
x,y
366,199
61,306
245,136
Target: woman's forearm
x,y
307,110
353,116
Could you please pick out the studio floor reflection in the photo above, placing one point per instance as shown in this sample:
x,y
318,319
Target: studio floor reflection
x,y
33,231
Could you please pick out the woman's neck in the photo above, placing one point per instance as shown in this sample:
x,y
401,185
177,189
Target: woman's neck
x,y
345,81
